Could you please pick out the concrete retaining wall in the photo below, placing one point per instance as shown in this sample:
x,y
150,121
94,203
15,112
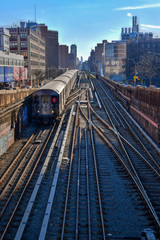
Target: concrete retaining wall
x,y
16,119
6,137
143,104
9,97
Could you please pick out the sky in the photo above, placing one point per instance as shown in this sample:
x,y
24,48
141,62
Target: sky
x,y
84,22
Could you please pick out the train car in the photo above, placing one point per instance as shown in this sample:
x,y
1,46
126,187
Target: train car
x,y
49,101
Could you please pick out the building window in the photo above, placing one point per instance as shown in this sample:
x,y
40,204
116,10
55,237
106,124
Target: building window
x,y
23,35
13,45
25,54
24,44
13,37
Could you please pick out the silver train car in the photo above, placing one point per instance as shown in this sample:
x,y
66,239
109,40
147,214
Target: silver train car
x,y
49,101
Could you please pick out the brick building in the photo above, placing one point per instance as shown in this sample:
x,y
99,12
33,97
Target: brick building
x,y
63,56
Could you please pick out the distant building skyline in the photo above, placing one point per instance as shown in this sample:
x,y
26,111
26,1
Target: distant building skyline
x,y
76,23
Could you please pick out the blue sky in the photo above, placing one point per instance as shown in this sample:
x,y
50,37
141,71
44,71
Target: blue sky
x,y
84,22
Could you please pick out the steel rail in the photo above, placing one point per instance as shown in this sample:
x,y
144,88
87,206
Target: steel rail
x,y
69,174
11,180
74,98
119,139
131,174
24,189
137,177
47,214
78,182
18,183
15,160
133,133
125,140
111,103
138,184
88,191
125,151
106,111
71,95
97,177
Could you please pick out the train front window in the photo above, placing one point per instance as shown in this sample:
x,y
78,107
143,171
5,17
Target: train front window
x,y
45,99
36,99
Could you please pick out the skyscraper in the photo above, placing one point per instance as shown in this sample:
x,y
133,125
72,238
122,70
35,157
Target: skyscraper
x,y
74,50
63,56
52,46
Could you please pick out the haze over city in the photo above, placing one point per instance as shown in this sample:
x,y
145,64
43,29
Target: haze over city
x,y
83,23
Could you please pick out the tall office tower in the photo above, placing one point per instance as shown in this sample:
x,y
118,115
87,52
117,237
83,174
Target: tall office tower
x,y
52,49
74,50
63,56
52,46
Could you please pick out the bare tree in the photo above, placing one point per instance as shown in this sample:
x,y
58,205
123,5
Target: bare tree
x,y
54,72
148,66
39,76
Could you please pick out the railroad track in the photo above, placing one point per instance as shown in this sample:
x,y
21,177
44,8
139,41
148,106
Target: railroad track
x,y
91,183
17,178
139,159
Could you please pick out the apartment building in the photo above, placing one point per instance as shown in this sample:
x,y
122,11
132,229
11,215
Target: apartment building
x,y
115,57
12,70
28,42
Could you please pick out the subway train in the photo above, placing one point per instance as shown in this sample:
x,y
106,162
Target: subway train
x,y
49,101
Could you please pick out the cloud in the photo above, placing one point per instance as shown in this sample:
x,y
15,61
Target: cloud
x,y
112,30
142,28
129,14
150,26
138,7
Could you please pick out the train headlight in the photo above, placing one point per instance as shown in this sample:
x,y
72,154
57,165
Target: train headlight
x,y
52,111
38,111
